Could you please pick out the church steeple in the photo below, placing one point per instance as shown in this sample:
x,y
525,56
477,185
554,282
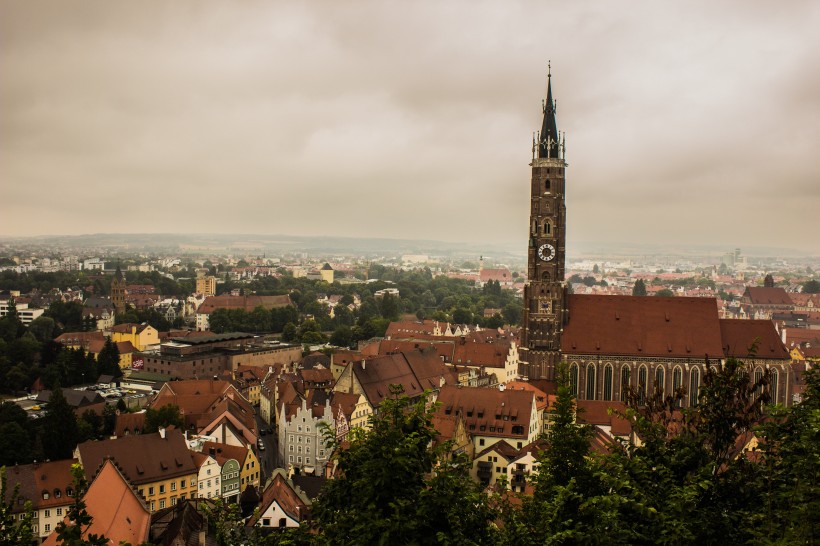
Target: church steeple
x,y
548,138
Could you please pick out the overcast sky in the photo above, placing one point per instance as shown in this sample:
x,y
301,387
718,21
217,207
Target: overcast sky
x,y
687,122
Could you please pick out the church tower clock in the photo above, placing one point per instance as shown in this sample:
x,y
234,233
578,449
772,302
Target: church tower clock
x,y
545,293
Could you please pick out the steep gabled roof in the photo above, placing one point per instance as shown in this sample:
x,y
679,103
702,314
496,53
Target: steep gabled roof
x,y
281,491
642,326
118,512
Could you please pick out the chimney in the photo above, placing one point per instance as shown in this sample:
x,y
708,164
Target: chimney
x,y
161,432
783,335
363,363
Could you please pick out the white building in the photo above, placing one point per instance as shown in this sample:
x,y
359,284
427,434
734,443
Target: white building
x,y
301,444
23,311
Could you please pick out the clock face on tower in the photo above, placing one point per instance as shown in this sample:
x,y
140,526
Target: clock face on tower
x,y
546,252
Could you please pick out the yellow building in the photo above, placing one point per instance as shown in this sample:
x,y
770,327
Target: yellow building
x,y
206,285
251,471
159,465
141,336
327,273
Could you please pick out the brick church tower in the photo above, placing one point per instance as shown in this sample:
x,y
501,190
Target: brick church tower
x,y
545,294
118,291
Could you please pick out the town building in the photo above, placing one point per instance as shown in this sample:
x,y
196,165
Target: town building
x,y
245,303
208,356
159,464
48,487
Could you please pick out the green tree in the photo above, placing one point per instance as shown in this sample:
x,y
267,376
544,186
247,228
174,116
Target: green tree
x,y
811,287
790,477
42,328
342,336
639,289
289,332
664,293
14,429
108,361
386,492
162,417
61,425
512,313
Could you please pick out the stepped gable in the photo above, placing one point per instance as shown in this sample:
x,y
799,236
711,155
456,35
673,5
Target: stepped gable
x,y
767,295
738,336
142,458
654,326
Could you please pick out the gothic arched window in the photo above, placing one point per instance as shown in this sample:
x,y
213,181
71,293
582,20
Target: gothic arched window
x,y
547,227
677,380
660,379
625,373
590,394
545,276
608,382
546,185
643,381
573,378
694,387
773,387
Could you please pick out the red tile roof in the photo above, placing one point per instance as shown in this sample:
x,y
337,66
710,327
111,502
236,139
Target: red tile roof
x,y
642,326
482,407
767,295
739,335
118,512
143,458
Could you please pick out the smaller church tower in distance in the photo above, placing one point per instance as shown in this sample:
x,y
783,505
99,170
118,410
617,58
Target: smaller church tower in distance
x,y
118,291
545,293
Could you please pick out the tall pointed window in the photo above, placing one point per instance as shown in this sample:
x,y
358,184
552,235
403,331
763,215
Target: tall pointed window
x,y
660,379
694,387
573,378
547,227
590,394
608,382
625,373
677,380
643,375
775,395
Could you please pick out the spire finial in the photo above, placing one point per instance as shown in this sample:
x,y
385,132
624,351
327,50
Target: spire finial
x,y
549,68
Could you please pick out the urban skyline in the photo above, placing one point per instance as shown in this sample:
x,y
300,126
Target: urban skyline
x,y
409,124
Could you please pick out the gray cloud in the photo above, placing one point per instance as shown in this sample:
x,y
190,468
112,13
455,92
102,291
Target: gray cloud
x,y
685,123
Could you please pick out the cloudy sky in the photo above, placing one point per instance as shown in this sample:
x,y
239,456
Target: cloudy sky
x,y
687,122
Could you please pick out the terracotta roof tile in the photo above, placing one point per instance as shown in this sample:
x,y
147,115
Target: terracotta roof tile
x,y
645,326
739,335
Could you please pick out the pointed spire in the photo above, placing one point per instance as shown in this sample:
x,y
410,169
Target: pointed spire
x,y
118,272
548,139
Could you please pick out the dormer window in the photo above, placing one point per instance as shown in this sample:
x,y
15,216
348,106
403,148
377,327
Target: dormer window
x,y
45,495
57,493
69,491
